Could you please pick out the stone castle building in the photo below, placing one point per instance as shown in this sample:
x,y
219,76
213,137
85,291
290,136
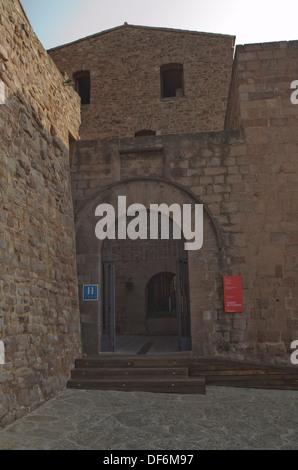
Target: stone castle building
x,y
159,116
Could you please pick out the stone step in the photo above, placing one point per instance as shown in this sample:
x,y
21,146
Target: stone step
x,y
183,386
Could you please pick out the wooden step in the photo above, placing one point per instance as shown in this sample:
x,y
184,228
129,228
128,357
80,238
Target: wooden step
x,y
197,367
125,372
131,361
176,374
246,375
183,386
243,373
159,374
264,384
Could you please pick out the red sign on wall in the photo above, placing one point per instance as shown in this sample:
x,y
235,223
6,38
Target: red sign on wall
x,y
233,294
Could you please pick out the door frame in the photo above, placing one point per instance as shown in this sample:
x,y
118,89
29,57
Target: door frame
x,y
108,308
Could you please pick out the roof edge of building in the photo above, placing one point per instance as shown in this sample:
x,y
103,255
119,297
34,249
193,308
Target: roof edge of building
x,y
126,25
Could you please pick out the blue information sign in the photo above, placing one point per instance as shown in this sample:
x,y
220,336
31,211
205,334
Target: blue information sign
x,y
90,292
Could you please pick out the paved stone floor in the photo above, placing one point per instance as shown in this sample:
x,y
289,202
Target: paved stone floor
x,y
157,344
226,418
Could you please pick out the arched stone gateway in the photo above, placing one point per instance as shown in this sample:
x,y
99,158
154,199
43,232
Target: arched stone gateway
x,y
123,269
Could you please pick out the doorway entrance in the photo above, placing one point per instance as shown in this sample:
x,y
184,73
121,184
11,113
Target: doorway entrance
x,y
145,296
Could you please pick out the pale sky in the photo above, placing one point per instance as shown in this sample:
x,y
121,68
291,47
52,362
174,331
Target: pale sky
x,y
58,22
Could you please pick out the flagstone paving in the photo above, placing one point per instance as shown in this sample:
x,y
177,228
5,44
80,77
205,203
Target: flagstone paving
x,y
225,418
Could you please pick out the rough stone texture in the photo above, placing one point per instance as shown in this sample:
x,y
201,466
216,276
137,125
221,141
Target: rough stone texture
x,y
232,148
263,231
38,286
203,271
245,174
223,419
124,65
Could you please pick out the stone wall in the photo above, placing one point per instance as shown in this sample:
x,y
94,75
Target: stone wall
x,y
205,291
262,207
246,177
124,65
193,169
39,316
230,143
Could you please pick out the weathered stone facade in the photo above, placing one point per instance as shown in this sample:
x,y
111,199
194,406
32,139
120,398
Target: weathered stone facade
x,y
241,165
227,140
124,65
263,210
39,317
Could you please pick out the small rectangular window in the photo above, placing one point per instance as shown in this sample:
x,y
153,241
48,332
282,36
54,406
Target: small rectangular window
x,y
82,86
144,132
172,80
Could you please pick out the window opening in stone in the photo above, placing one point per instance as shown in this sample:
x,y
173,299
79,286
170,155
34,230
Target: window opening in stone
x,y
144,132
161,296
82,86
172,80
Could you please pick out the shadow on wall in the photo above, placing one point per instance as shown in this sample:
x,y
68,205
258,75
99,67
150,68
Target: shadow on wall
x,y
39,323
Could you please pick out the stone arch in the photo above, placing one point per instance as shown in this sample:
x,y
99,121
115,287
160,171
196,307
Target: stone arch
x,y
105,195
204,265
